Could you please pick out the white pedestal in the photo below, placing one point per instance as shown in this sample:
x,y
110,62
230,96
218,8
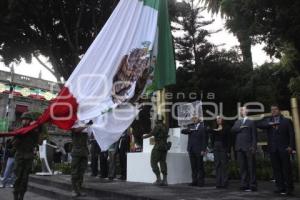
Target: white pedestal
x,y
179,169
139,168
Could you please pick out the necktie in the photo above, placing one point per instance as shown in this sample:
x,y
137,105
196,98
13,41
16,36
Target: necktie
x,y
244,120
276,120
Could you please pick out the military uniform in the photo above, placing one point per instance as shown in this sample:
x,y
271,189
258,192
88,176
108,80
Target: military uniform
x,y
24,145
79,160
159,152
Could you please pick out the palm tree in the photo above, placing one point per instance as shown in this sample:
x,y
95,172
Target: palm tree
x,y
213,6
236,21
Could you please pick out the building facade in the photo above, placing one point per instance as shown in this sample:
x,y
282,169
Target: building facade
x,y
19,94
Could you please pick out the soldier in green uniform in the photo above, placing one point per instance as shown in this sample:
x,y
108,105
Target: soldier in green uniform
x,y
79,157
24,145
159,151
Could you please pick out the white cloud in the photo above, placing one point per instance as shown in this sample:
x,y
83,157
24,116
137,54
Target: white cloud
x,y
33,69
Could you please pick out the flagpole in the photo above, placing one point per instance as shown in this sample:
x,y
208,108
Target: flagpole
x,y
161,105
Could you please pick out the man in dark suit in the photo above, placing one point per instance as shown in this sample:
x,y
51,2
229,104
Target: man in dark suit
x,y
123,149
95,154
281,143
245,145
197,145
103,164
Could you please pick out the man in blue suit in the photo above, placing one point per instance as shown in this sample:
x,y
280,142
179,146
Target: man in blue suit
x,y
197,144
245,146
281,143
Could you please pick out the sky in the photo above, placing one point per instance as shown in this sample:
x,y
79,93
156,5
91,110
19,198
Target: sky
x,y
223,37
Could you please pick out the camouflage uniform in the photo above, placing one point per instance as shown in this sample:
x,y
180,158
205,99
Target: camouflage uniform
x,y
24,145
159,151
79,159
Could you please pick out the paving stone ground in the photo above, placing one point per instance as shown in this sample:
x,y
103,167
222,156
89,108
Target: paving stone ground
x,y
6,194
175,192
125,190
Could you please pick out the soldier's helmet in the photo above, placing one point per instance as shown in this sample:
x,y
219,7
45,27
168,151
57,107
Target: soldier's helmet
x,y
30,115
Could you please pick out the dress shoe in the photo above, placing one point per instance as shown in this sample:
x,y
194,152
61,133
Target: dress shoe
x,y
193,184
75,194
287,193
82,194
245,189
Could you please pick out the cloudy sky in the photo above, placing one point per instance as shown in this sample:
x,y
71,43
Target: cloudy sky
x,y
223,37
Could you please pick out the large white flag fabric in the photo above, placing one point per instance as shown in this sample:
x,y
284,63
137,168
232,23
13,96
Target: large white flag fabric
x,y
134,45
128,34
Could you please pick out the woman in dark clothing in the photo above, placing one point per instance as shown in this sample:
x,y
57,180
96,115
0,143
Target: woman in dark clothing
x,y
221,145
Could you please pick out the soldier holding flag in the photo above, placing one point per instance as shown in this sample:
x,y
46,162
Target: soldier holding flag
x,y
25,145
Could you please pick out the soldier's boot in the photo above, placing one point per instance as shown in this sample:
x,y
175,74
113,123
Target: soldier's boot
x,y
164,181
16,196
75,194
158,180
82,194
21,196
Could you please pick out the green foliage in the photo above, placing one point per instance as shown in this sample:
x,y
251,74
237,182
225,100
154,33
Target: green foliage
x,y
59,30
233,170
209,169
239,20
274,22
64,168
37,165
206,69
192,47
294,85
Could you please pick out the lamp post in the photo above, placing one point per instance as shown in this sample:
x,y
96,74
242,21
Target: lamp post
x,y
8,109
10,95
296,118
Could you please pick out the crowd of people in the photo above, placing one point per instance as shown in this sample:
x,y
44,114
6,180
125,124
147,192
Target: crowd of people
x,y
19,153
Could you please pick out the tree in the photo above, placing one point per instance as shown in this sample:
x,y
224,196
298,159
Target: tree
x,y
223,73
276,23
192,47
57,29
205,69
238,21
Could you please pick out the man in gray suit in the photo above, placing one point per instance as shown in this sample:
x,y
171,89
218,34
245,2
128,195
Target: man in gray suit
x,y
197,144
245,145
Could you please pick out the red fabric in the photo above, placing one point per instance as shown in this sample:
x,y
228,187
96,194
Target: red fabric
x,y
36,96
21,108
65,105
61,112
13,92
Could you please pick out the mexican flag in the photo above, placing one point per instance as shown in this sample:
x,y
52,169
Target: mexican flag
x,y
133,52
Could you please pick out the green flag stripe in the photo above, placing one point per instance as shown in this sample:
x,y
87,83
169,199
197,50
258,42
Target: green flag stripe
x,y
152,3
165,70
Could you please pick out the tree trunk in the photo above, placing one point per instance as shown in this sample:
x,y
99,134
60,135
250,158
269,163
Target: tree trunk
x,y
245,45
